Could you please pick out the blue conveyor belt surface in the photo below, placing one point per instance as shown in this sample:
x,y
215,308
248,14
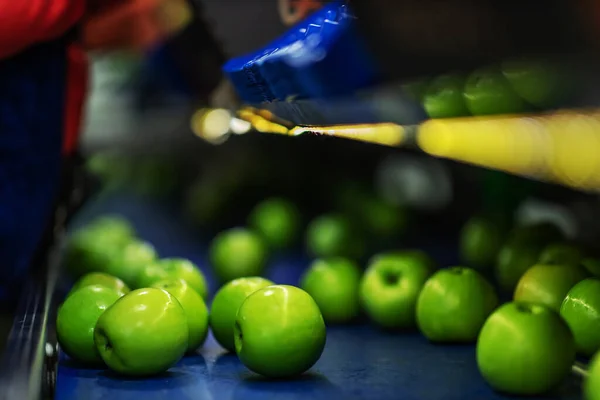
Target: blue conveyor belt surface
x,y
359,362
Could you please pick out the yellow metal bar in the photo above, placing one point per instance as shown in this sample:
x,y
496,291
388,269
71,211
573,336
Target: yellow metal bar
x,y
387,134
562,146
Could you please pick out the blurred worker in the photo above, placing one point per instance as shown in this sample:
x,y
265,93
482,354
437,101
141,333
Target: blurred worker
x,y
43,87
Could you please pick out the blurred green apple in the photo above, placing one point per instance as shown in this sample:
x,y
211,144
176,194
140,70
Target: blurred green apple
x,y
444,97
279,331
102,279
480,242
77,318
581,311
131,261
514,259
226,304
277,220
453,305
334,235
173,268
416,89
390,287
592,265
487,92
525,349
548,284
237,253
334,285
592,383
541,83
194,307
561,253
142,334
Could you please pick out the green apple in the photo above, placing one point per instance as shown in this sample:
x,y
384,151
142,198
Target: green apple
x,y
87,251
226,304
77,318
592,383
453,305
334,285
102,279
194,307
540,233
237,253
334,235
382,219
514,259
277,221
480,242
390,287
444,97
173,268
592,265
487,91
142,334
114,226
525,349
416,89
131,261
561,253
407,255
548,284
279,331
541,83
581,311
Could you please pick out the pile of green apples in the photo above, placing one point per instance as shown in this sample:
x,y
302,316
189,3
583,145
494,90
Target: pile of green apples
x,y
125,297
513,86
528,346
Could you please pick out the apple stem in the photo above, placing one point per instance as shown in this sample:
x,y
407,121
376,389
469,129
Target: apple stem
x,y
579,369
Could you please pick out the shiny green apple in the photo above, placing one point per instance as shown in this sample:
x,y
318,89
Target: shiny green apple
x,y
77,318
390,287
453,305
487,92
480,242
102,279
194,307
131,261
334,285
592,383
237,253
277,220
561,253
334,235
279,332
525,349
581,311
548,284
173,268
226,304
142,334
444,96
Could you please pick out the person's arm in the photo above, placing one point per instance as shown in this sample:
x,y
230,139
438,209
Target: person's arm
x,y
24,23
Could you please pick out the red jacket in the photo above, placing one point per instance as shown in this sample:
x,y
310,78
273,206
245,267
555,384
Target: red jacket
x,y
29,22
104,24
